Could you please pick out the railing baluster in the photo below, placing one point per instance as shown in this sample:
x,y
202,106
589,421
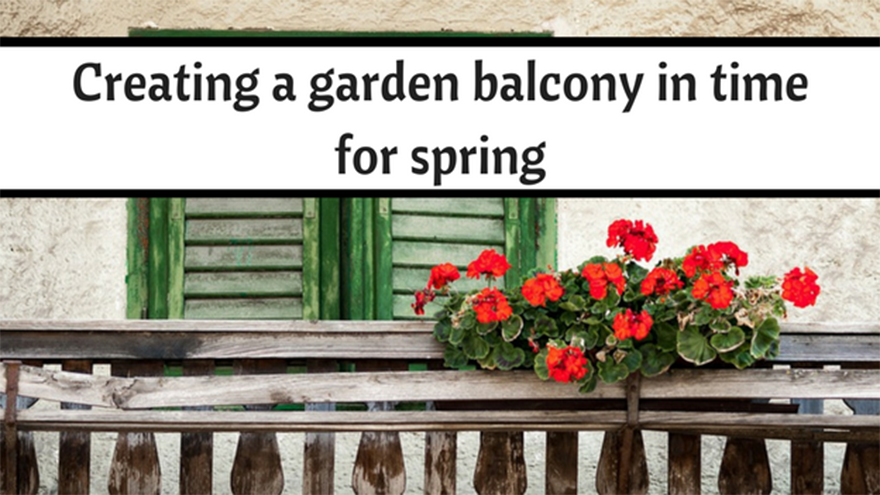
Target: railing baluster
x,y
197,449
135,465
745,468
256,469
861,463
808,458
561,472
501,465
74,448
684,464
320,448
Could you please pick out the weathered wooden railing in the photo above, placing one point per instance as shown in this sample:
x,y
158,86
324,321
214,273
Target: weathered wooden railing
x,y
816,362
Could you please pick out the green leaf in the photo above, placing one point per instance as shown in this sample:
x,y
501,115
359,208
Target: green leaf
x,y
456,335
655,361
589,384
568,318
720,326
541,364
474,347
511,328
726,342
667,336
635,273
632,360
630,296
741,357
442,330
693,347
592,337
469,320
704,316
508,357
454,358
764,337
546,326
611,371
486,328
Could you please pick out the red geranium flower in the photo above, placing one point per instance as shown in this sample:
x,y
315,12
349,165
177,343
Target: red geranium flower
x,y
800,287
566,365
728,254
491,305
489,263
544,286
701,259
636,238
661,281
599,275
714,289
627,324
423,297
442,275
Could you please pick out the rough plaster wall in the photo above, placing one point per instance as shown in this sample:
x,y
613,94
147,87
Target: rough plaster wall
x,y
564,17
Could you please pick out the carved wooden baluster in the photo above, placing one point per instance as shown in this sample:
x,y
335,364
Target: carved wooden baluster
x,y
861,463
440,455
197,449
608,470
745,468
135,465
74,447
320,448
684,464
561,456
379,466
808,457
256,468
501,465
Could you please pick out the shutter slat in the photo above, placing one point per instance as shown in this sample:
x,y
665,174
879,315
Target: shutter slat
x,y
243,207
240,308
450,206
448,229
284,257
243,284
242,231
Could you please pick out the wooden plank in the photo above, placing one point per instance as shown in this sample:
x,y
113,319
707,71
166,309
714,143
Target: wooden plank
x,y
244,256
136,258
546,228
157,259
245,308
320,448
74,448
561,467
384,288
19,472
256,468
244,231
197,449
330,290
448,229
807,458
428,385
512,247
501,465
243,207
450,206
379,465
861,462
684,464
745,468
440,462
176,252
428,254
309,280
408,280
608,469
244,284
135,464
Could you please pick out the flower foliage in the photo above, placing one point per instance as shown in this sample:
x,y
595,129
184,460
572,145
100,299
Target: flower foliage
x,y
609,318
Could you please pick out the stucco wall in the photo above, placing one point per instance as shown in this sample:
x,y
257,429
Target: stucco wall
x,y
563,17
65,258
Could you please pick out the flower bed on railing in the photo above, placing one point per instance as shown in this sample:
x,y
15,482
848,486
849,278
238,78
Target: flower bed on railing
x,y
613,317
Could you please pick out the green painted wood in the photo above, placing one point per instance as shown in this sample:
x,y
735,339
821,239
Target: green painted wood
x,y
288,308
137,290
252,284
353,247
175,253
157,263
546,227
512,240
384,261
310,278
369,259
427,254
450,207
331,299
528,235
244,207
408,280
244,256
449,229
244,230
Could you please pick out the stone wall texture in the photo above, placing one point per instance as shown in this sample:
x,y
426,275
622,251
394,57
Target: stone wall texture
x,y
562,17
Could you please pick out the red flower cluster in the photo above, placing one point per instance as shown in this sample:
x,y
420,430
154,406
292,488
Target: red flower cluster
x,y
661,281
636,238
423,297
714,289
537,290
627,324
599,275
442,275
717,256
491,305
566,365
800,287
489,263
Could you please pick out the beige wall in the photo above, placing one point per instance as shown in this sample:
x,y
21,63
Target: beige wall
x,y
65,258
563,17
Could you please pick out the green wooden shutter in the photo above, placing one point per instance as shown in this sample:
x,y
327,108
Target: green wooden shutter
x,y
396,241
239,258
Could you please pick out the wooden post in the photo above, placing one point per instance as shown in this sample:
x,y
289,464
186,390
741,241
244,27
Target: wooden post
x,y
684,464
10,432
440,455
808,458
561,456
197,449
745,468
861,463
74,448
18,454
501,465
320,448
